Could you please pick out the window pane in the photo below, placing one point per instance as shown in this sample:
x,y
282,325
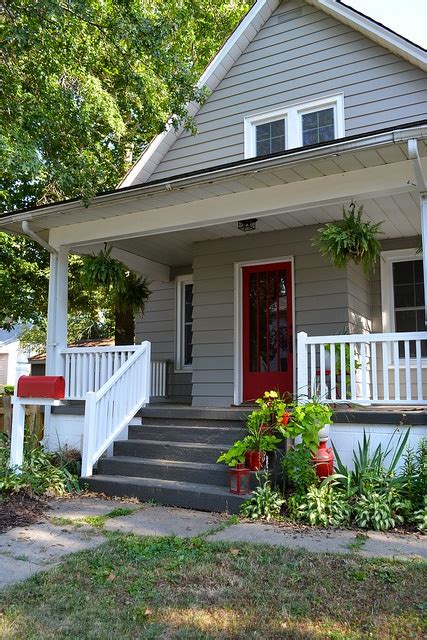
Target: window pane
x,y
270,137
406,320
188,345
403,272
404,296
419,295
418,271
326,117
318,126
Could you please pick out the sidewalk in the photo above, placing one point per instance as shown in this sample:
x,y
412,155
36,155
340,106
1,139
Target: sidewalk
x,y
76,524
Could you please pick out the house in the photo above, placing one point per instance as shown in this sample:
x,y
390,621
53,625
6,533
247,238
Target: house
x,y
312,105
9,351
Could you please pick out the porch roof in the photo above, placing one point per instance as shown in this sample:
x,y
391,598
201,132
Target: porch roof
x,y
296,188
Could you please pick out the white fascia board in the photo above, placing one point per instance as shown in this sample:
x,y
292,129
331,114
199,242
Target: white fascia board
x,y
153,270
212,76
392,41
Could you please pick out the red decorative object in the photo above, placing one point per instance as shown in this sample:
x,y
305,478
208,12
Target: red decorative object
x,y
41,387
240,478
254,460
285,418
323,461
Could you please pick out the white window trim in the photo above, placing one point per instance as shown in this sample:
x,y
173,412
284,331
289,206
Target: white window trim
x,y
180,282
292,114
387,293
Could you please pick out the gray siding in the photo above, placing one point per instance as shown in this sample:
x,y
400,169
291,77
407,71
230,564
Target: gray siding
x,y
301,53
321,302
158,326
359,300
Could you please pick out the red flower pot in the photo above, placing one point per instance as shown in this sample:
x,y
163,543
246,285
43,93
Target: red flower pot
x,y
323,461
285,418
254,460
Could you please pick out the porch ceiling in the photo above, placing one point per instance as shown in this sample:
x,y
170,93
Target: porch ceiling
x,y
161,222
400,215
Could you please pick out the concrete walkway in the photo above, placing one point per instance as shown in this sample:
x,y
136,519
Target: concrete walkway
x,y
76,524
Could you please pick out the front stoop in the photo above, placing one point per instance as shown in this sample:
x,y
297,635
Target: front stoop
x,y
171,458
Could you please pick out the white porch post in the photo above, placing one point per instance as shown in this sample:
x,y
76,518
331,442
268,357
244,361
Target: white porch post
x,y
423,208
302,372
57,312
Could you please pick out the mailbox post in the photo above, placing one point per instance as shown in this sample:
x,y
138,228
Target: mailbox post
x,y
39,390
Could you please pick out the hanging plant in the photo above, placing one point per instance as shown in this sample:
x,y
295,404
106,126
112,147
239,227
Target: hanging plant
x,y
350,239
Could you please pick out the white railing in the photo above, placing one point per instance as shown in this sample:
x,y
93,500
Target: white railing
x,y
368,369
109,410
89,368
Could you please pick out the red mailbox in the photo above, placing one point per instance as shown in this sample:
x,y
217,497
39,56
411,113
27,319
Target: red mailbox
x,y
41,387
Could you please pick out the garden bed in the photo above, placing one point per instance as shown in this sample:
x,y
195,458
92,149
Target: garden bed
x,y
20,510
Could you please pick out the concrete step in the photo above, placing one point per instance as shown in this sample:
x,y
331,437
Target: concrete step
x,y
180,451
189,495
224,436
193,416
199,473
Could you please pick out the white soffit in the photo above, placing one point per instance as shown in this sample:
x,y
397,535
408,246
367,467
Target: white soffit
x,y
237,43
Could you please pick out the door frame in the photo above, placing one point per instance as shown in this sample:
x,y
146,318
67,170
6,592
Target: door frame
x,y
238,320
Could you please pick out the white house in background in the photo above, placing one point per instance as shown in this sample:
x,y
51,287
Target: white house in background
x,y
9,350
312,105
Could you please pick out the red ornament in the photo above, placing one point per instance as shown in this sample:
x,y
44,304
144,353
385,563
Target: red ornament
x,y
285,418
240,478
323,461
254,460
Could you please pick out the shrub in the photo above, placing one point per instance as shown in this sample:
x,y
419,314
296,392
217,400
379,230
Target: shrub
x,y
414,476
321,506
297,469
42,472
380,511
264,503
419,517
9,389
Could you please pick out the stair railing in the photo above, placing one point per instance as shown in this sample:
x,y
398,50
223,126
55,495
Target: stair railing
x,y
109,410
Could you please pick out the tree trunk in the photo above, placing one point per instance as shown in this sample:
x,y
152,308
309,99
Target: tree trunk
x,y
124,328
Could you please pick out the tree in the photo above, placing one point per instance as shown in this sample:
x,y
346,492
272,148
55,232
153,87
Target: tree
x,y
86,85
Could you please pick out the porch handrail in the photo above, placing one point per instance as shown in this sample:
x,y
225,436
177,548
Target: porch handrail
x,y
109,410
379,368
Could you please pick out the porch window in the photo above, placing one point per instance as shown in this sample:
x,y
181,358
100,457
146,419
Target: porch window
x,y
184,322
295,125
402,286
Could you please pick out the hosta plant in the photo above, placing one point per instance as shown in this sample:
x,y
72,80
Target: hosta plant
x,y
264,503
350,240
322,506
419,517
379,510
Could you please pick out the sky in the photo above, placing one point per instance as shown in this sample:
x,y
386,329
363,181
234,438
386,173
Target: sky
x,y
406,17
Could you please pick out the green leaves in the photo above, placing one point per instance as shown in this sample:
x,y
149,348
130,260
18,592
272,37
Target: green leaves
x,y
350,240
83,83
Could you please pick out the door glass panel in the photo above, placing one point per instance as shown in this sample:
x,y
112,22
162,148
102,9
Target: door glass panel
x,y
268,325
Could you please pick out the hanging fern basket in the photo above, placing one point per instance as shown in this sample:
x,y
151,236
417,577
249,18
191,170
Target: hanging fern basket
x,y
350,240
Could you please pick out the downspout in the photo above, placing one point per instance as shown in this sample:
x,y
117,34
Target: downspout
x,y
422,188
34,236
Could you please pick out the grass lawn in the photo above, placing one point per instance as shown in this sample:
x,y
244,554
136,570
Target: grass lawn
x,y
150,588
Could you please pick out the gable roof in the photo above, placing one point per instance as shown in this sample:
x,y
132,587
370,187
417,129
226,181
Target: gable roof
x,y
237,43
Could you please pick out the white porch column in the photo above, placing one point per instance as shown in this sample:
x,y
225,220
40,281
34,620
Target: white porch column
x,y
57,312
423,208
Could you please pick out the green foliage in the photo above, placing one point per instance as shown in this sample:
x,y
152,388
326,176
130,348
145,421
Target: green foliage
x,y
259,442
86,85
379,510
350,239
8,389
298,470
372,471
42,472
419,517
414,475
322,506
265,502
306,421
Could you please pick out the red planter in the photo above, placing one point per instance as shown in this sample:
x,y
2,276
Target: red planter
x,y
254,460
323,461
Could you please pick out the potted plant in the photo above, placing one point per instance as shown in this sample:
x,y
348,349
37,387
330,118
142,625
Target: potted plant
x,y
350,239
253,447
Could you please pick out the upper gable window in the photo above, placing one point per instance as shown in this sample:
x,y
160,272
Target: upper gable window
x,y
296,125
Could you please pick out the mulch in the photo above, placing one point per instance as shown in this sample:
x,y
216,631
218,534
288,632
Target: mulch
x,y
20,510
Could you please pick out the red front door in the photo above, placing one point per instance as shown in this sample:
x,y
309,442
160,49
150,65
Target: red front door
x,y
267,329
